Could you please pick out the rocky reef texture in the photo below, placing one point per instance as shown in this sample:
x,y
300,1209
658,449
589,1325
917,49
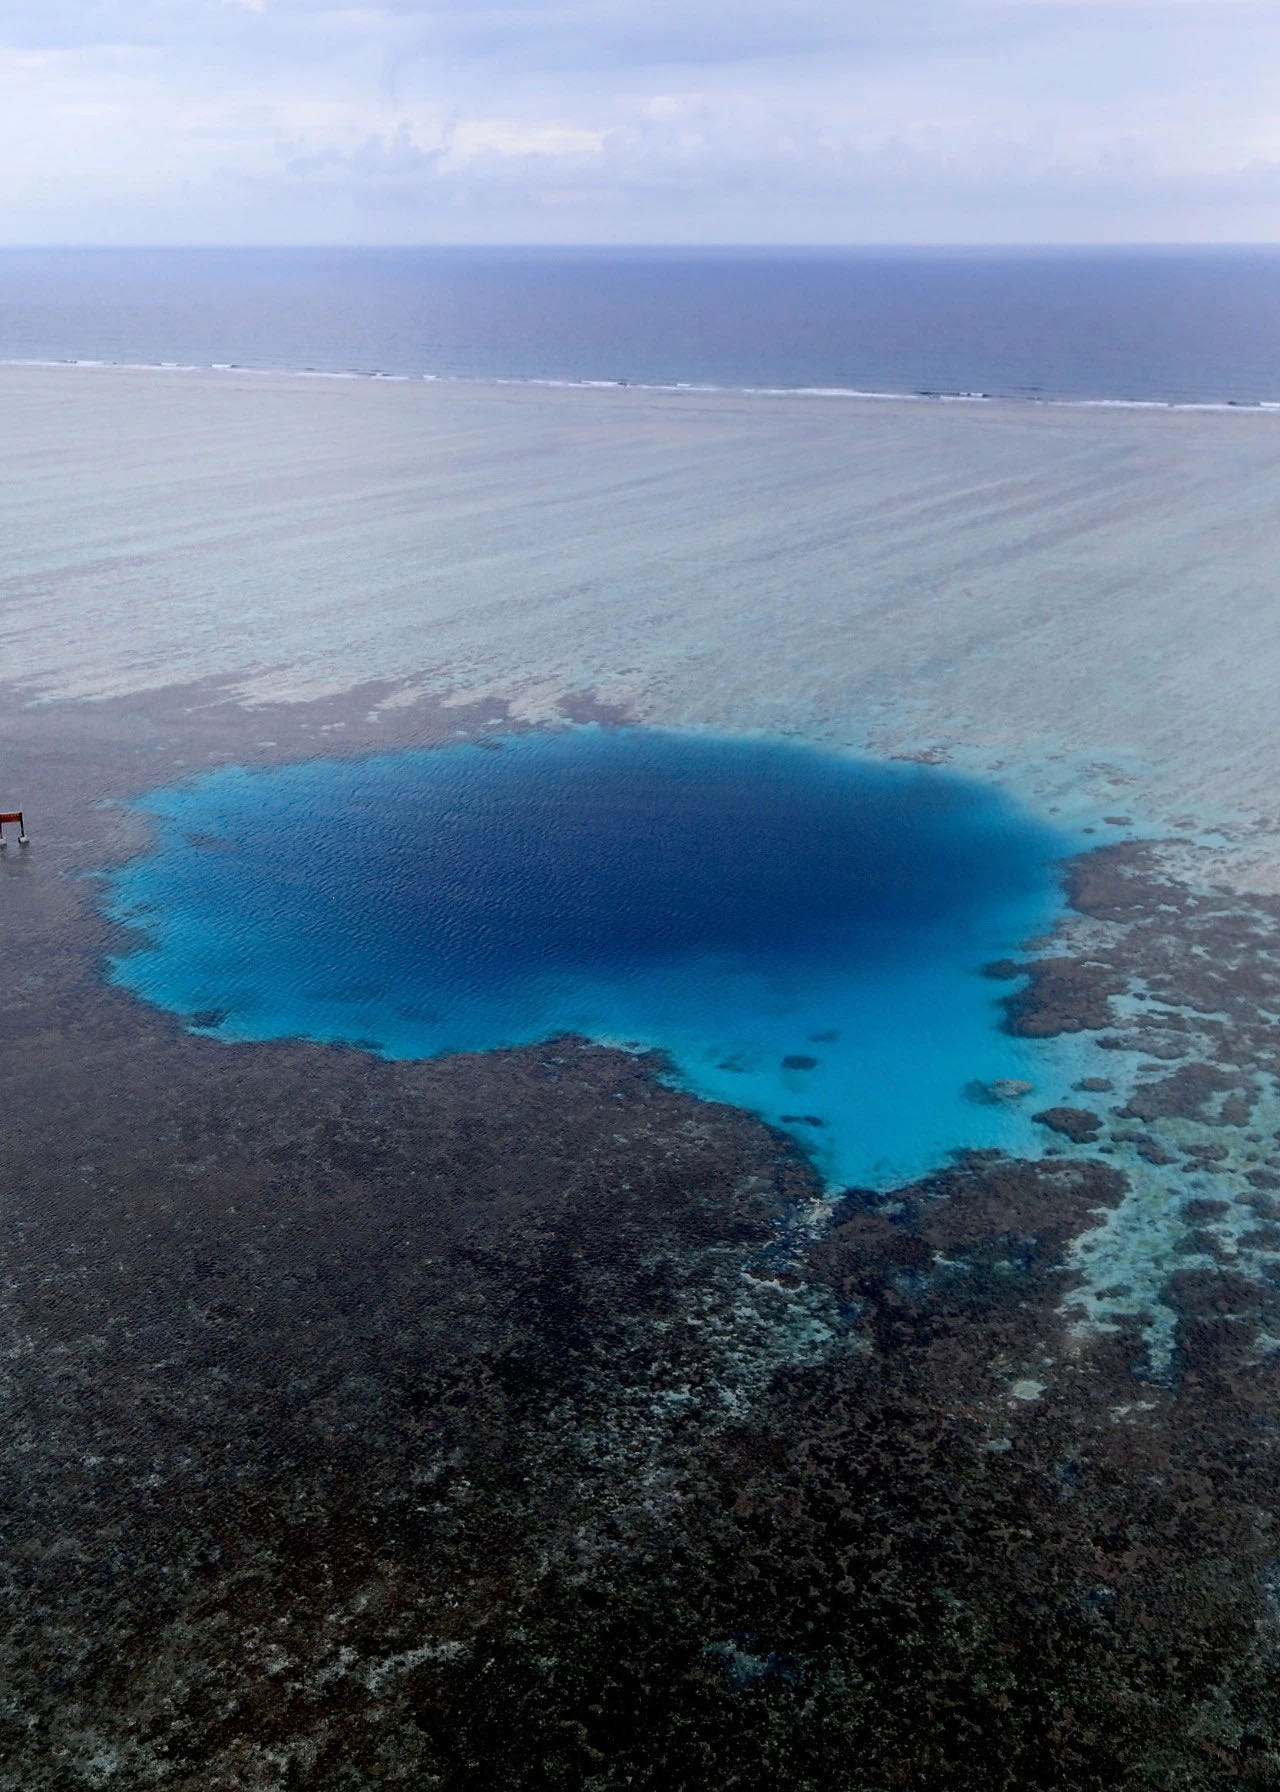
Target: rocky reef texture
x,y
335,1363
517,1421
1178,981
511,1422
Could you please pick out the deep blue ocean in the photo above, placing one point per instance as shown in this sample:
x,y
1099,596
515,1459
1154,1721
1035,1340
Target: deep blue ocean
x,y
801,932
1149,325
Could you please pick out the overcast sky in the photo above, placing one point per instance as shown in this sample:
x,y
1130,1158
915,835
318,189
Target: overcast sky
x,y
639,120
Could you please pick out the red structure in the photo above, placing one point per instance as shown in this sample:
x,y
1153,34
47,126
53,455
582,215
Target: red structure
x,y
13,815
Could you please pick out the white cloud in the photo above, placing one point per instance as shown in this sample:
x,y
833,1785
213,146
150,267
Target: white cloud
x,y
306,120
476,137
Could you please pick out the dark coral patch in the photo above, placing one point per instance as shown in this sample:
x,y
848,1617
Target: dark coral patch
x,y
1080,1125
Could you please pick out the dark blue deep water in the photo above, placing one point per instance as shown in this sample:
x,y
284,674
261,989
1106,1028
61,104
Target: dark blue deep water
x,y
801,932
1185,325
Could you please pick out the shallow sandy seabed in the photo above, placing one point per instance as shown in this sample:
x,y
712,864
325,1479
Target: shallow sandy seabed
x,y
1078,601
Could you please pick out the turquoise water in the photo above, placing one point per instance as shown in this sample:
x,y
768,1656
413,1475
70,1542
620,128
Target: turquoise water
x,y
802,933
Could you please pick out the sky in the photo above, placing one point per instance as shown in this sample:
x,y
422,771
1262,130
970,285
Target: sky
x,y
615,121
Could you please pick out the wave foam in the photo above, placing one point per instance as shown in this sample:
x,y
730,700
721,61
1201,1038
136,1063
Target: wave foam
x,y
677,387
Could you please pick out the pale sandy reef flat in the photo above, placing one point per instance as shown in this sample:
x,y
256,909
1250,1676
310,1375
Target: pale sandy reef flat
x,y
1066,597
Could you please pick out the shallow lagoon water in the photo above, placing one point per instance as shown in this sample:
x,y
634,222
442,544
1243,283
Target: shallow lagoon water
x,y
802,933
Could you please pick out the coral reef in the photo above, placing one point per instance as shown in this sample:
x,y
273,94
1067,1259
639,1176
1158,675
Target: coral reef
x,y
518,1421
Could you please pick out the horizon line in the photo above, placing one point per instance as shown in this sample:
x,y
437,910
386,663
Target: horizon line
x,y
757,246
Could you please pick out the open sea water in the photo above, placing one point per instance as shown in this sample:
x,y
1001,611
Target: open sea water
x,y
1182,326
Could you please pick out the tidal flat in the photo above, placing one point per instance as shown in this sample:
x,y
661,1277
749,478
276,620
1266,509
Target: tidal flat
x,y
516,1418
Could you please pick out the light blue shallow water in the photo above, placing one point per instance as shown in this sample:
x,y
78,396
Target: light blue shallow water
x,y
802,933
